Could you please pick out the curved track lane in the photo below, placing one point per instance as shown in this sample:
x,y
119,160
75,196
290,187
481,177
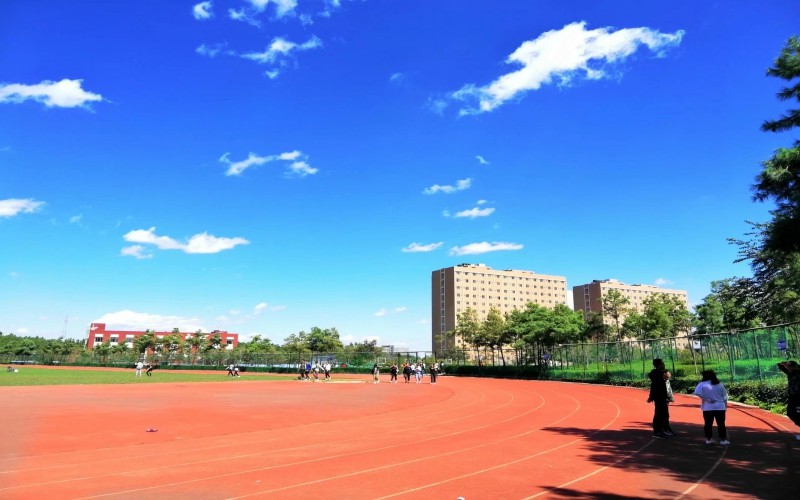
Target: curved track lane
x,y
476,438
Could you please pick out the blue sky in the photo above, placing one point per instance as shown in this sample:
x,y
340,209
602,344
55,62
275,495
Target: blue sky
x,y
264,167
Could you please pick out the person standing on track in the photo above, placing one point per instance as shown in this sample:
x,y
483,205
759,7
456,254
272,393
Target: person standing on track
x,y
376,374
393,374
792,371
714,403
434,369
658,396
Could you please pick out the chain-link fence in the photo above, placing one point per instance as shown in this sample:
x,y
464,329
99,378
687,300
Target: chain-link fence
x,y
748,355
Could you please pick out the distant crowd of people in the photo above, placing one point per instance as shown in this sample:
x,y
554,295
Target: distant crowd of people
x,y
309,370
417,370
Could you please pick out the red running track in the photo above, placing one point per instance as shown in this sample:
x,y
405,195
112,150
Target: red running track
x,y
463,437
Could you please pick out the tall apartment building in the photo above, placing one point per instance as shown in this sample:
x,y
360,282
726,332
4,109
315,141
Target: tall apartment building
x,y
453,289
588,297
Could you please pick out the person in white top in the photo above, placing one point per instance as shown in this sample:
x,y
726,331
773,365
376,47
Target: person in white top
x,y
714,403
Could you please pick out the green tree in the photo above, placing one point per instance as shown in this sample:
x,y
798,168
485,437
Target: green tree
x,y
102,351
468,329
779,180
726,308
172,344
196,344
327,340
493,329
615,306
597,329
665,316
146,342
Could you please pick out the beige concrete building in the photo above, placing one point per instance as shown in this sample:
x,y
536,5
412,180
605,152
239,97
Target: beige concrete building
x,y
454,289
588,297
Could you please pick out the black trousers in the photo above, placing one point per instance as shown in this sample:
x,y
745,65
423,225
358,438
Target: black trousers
x,y
708,420
792,410
661,416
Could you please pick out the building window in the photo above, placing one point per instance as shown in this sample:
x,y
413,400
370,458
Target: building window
x,y
98,339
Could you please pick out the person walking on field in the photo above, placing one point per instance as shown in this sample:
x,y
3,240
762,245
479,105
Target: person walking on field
x,y
434,372
714,404
407,372
393,373
139,366
792,371
658,396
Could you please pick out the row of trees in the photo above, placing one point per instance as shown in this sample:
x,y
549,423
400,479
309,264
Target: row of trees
x,y
172,348
537,328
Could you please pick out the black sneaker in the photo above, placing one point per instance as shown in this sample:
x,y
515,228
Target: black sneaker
x,y
660,435
669,433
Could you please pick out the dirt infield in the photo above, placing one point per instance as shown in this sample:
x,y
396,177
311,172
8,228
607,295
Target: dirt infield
x,y
474,438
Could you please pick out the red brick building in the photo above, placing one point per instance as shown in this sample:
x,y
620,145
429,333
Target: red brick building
x,y
98,334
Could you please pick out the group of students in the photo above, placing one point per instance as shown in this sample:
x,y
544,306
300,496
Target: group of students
x,y
417,370
307,370
140,365
713,400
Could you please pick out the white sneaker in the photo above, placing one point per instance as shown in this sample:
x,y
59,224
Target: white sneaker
x,y
724,442
708,441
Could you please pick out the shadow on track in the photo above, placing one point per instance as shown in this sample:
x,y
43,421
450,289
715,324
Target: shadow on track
x,y
758,463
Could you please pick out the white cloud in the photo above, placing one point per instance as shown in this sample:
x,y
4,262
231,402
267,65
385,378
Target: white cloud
x,y
662,282
14,274
383,311
562,56
202,243
481,160
64,94
75,219
473,213
290,156
301,169
244,16
272,74
237,167
137,251
419,247
280,49
14,206
481,202
398,78
298,167
484,247
260,307
147,321
460,186
202,11
282,7
213,50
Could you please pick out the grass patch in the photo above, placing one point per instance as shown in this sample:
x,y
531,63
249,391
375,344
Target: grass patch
x,y
28,376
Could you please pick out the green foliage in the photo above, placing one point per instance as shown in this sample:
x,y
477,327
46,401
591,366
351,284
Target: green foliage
x,y
615,306
780,178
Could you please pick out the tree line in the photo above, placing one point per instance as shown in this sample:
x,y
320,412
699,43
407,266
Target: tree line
x,y
174,348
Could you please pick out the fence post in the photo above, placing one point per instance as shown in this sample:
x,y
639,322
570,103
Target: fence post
x,y
730,357
758,359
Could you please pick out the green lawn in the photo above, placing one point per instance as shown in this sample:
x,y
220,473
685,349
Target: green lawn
x,y
29,375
